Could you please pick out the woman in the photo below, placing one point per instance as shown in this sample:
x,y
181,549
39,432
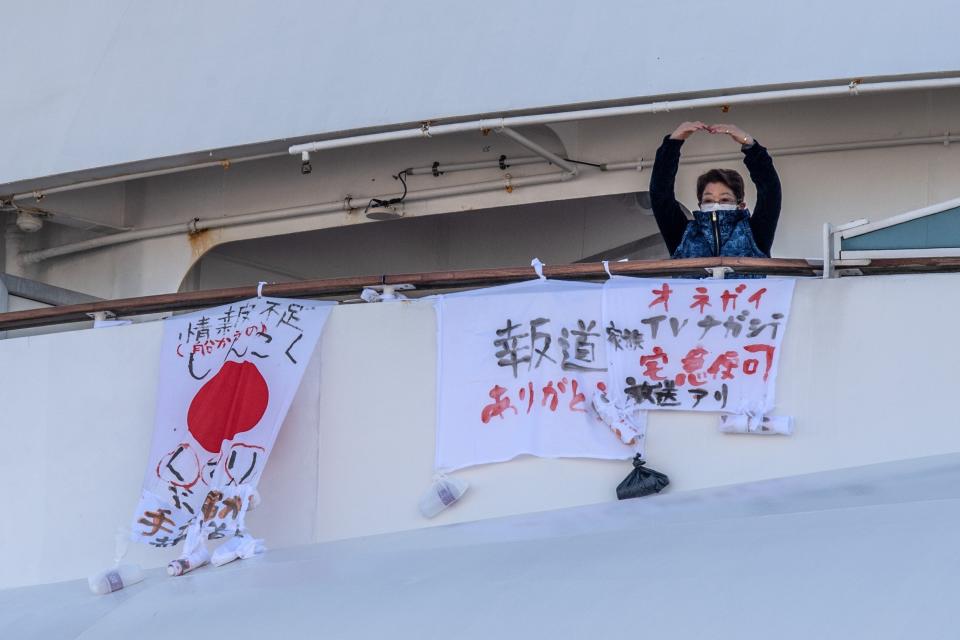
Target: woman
x,y
722,226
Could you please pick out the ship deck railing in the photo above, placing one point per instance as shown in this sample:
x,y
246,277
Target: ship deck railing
x,y
439,281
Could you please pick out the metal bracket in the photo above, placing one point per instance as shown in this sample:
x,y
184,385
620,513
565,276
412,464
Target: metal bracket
x,y
387,292
831,238
719,273
847,272
100,316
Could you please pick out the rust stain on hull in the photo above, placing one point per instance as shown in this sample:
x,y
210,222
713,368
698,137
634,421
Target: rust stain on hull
x,y
202,241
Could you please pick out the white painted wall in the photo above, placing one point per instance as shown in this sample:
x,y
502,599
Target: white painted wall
x,y
122,81
867,371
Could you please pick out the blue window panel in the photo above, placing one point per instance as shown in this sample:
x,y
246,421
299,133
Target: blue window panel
x,y
935,231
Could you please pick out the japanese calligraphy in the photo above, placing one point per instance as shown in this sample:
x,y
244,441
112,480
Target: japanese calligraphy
x,y
227,377
519,366
705,345
524,346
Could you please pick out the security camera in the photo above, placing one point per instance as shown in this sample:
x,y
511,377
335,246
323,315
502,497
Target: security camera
x,y
305,166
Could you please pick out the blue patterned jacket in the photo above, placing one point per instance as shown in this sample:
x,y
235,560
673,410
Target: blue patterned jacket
x,y
722,233
740,234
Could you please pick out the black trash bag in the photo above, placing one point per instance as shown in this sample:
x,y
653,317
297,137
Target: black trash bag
x,y
641,481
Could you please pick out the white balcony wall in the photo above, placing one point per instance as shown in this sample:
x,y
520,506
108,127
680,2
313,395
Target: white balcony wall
x,y
867,371
121,82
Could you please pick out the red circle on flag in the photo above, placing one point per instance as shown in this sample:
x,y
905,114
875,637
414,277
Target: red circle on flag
x,y
231,402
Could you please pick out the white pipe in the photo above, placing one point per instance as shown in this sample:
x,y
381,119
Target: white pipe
x,y
196,225
360,203
470,166
424,131
143,174
543,153
798,151
427,130
356,203
537,149
33,257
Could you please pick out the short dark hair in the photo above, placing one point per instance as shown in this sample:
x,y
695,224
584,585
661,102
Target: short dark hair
x,y
728,177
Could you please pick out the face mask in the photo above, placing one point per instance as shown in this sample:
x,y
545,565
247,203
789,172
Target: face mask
x,y
709,207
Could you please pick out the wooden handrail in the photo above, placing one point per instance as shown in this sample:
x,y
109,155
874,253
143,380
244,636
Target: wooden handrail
x,y
339,287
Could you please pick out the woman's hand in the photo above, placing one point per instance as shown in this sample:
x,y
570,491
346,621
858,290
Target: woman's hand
x,y
687,129
731,130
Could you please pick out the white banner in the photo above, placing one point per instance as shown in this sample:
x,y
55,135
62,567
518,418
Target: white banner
x,y
696,345
518,367
227,378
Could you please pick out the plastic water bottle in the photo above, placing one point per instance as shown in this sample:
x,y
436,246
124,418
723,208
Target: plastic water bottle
x,y
115,578
187,563
442,493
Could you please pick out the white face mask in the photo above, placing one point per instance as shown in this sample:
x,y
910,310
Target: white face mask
x,y
709,207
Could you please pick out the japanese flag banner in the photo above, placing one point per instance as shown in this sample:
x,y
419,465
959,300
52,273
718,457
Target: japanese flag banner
x,y
227,378
517,368
696,345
